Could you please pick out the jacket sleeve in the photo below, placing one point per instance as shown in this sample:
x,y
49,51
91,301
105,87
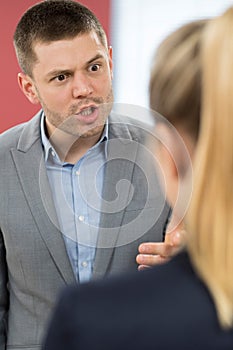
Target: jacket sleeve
x,y
4,297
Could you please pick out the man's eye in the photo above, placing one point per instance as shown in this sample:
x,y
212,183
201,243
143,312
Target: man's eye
x,y
95,67
61,77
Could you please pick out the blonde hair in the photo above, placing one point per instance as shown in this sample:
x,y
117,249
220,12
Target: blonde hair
x,y
175,89
209,220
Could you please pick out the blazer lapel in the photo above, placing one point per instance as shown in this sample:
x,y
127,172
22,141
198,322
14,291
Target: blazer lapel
x,y
117,190
30,167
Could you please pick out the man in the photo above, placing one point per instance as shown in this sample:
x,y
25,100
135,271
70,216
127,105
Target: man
x,y
77,197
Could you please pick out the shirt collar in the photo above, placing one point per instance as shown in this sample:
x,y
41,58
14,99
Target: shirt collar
x,y
49,148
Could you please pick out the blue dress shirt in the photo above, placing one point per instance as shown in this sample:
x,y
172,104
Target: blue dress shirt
x,y
76,190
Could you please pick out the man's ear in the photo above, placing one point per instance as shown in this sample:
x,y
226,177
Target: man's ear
x,y
110,60
28,87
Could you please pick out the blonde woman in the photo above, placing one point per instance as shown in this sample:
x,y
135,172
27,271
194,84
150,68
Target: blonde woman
x,y
175,93
210,218
186,303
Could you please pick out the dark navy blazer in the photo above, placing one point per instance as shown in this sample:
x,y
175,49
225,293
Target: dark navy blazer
x,y
166,307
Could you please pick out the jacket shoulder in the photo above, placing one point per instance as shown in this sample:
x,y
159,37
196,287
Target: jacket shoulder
x,y
130,128
10,137
22,135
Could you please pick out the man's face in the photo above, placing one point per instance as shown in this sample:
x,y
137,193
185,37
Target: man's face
x,y
72,80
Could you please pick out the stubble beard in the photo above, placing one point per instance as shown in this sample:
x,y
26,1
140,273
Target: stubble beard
x,y
72,127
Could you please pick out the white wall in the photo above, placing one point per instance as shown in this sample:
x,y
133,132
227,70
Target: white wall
x,y
138,26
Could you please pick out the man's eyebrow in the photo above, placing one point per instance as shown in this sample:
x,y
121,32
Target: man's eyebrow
x,y
56,72
96,57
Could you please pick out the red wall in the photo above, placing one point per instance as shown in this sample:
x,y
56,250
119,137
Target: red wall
x,y
14,107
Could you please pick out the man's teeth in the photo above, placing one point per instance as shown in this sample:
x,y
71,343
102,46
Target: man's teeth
x,y
87,111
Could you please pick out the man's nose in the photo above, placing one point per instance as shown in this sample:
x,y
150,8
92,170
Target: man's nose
x,y
82,86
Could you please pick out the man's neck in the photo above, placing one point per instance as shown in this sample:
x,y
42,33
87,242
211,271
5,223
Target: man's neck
x,y
71,149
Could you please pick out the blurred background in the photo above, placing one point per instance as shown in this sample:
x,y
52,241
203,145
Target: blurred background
x,y
134,29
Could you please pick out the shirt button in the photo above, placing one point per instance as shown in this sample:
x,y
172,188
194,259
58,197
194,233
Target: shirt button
x,y
84,264
53,153
81,218
77,172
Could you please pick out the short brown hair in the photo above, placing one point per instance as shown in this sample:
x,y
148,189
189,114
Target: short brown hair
x,y
49,21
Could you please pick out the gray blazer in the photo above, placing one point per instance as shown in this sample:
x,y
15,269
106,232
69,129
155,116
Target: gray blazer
x,y
34,264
